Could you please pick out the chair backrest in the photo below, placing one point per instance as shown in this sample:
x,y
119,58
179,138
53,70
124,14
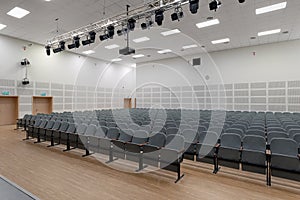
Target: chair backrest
x,y
134,126
100,132
256,132
81,129
91,130
190,136
293,132
284,146
37,123
208,138
126,135
175,142
235,131
71,128
50,124
146,128
95,122
140,137
297,138
231,140
172,131
254,142
43,123
113,133
276,134
158,140
64,127
56,125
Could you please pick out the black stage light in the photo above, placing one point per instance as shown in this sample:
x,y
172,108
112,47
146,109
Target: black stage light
x,y
77,41
104,37
144,26
62,45
131,24
174,16
241,1
48,50
111,31
214,5
159,16
92,36
194,6
71,46
57,50
86,42
119,32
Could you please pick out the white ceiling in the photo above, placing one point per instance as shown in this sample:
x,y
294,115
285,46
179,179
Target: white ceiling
x,y
237,22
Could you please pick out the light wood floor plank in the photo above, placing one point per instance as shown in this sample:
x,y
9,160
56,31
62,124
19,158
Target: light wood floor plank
x,y
53,174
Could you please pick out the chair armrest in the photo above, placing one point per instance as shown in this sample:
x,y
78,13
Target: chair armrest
x,y
268,152
217,145
299,156
181,151
241,149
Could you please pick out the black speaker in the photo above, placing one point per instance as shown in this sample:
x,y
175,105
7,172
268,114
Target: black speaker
x,y
196,61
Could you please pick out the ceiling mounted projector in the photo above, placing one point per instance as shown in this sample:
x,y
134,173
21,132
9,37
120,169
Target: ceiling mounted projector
x,y
127,51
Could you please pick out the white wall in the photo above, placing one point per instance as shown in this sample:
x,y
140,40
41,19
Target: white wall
x,y
271,62
234,79
76,82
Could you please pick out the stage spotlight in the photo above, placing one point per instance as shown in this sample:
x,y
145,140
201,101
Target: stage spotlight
x,y
92,36
62,45
119,32
57,50
104,37
76,43
241,1
178,14
48,50
111,31
214,5
159,16
194,6
86,42
131,24
144,26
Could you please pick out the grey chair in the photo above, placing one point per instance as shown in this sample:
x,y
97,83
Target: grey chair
x,y
285,161
293,132
276,134
83,142
57,133
254,154
171,155
190,140
135,147
229,152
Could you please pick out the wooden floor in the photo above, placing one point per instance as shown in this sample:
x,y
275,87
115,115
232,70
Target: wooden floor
x,y
52,174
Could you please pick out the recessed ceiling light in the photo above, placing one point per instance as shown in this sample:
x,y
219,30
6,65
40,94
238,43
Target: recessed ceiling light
x,y
190,46
142,39
208,23
138,56
225,40
116,60
88,52
164,51
253,38
113,46
171,32
2,26
269,32
271,8
285,32
47,0
18,12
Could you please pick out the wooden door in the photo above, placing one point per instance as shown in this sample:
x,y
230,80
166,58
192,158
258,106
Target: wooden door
x,y
127,103
42,105
9,110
